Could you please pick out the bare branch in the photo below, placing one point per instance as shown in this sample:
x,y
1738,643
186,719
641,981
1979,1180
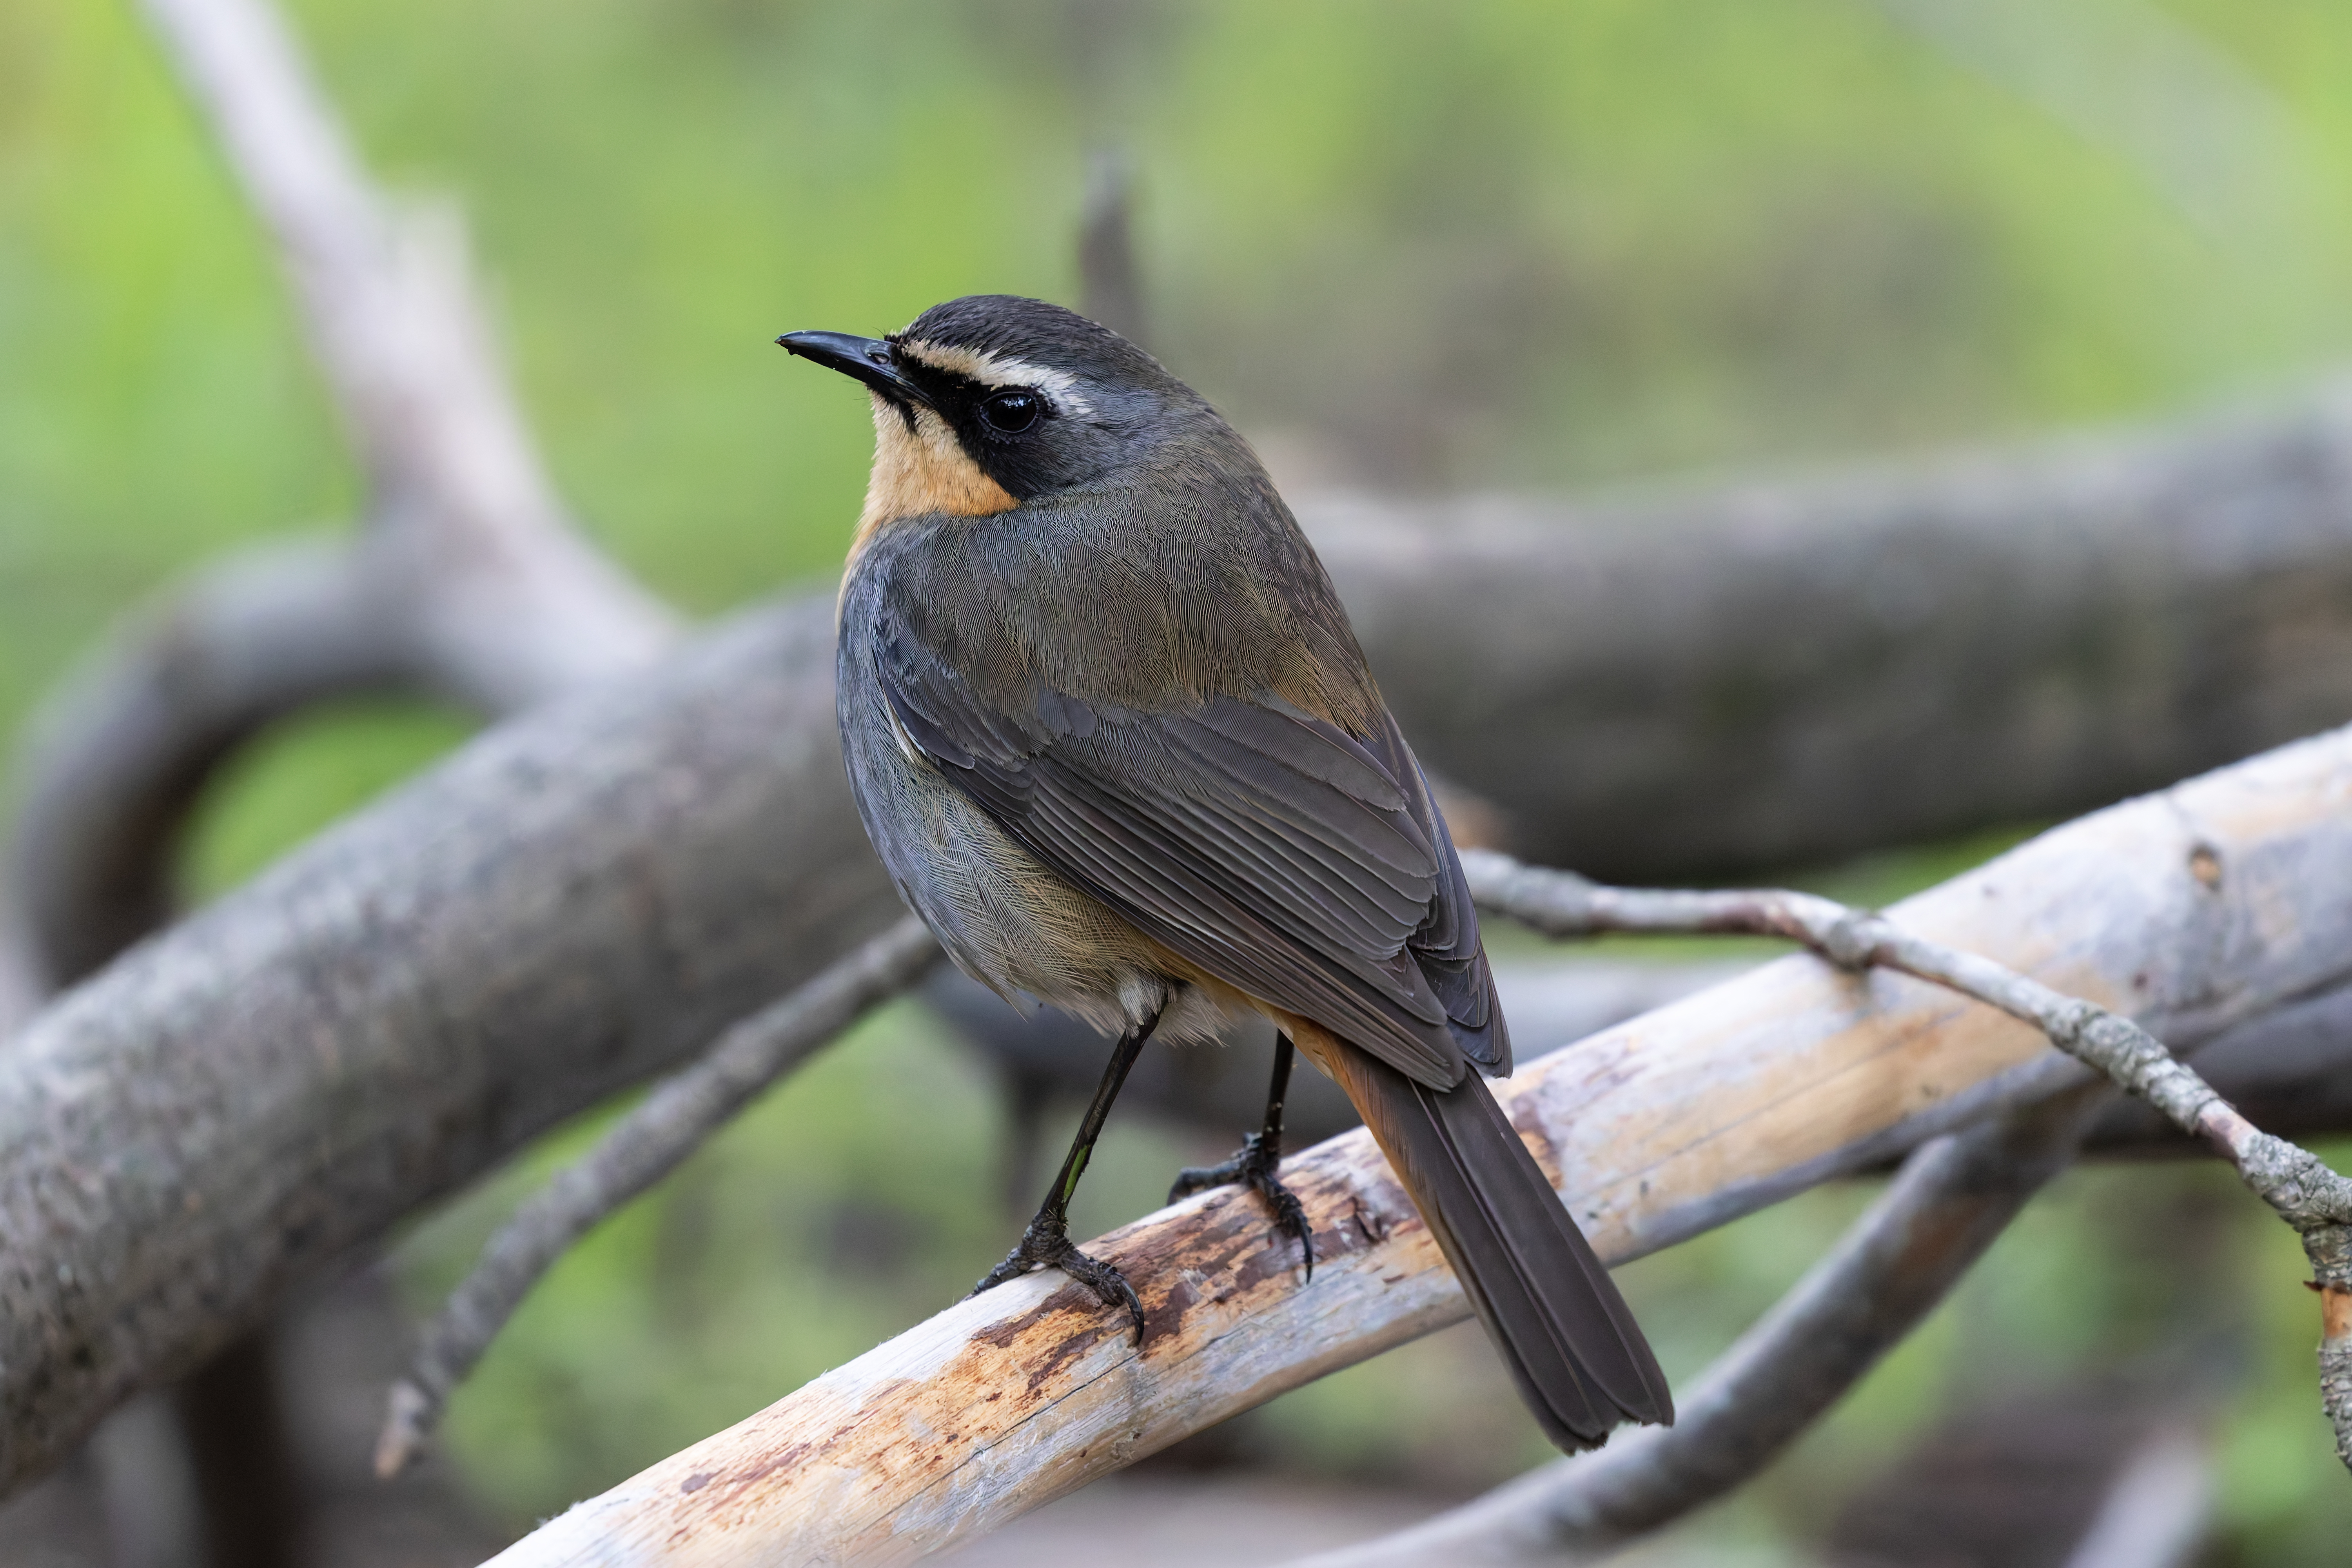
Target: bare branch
x,y
2290,1071
2156,1511
120,753
520,603
686,1108
1111,287
1564,904
1699,682
643,1147
1952,1198
1653,1131
568,905
2299,1186
468,580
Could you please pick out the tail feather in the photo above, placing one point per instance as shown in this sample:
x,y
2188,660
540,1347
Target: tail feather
x,y
1578,1357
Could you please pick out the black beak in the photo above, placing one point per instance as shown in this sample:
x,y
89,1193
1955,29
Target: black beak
x,y
869,360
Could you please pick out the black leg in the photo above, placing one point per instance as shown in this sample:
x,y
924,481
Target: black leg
x,y
1255,1165
1047,1243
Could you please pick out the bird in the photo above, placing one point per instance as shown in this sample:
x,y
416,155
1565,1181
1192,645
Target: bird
x,y
1114,739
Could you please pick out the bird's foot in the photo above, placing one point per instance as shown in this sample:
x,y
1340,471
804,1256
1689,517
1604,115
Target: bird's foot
x,y
1046,1244
1254,1166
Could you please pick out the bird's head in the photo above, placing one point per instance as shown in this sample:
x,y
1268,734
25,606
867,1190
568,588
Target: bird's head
x,y
990,401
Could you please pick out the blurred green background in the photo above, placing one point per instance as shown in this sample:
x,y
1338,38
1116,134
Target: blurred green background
x,y
1415,247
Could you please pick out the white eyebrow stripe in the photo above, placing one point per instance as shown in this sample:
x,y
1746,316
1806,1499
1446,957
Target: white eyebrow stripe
x,y
992,369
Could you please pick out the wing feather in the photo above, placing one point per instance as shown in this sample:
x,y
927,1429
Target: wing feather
x,y
1296,862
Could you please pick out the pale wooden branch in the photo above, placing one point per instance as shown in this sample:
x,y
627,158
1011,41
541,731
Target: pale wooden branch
x,y
1952,1198
687,1108
645,1146
1658,1129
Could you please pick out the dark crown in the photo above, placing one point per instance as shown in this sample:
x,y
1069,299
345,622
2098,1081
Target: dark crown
x,y
1045,335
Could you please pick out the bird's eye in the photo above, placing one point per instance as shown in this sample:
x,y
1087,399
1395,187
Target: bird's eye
x,y
1012,412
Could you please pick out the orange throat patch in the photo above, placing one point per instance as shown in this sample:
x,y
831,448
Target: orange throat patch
x,y
920,472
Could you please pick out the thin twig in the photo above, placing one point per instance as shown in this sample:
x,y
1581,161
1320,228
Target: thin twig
x,y
1952,1198
2299,1187
647,1144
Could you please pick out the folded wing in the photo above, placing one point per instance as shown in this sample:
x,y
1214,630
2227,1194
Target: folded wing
x,y
1304,866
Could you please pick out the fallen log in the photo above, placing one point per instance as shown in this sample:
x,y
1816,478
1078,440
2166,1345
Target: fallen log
x,y
569,905
1708,680
2189,912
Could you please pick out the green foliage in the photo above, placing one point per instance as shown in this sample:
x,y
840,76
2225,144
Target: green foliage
x,y
1496,245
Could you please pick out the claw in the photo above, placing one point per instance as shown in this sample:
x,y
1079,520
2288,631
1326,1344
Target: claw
x,y
1047,1245
1254,1166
